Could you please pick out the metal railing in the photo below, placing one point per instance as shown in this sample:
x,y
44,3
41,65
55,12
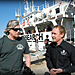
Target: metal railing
x,y
70,35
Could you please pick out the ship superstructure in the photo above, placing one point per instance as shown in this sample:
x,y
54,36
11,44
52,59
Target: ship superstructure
x,y
41,20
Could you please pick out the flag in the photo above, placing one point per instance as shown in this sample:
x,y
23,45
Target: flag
x,y
45,41
27,22
23,24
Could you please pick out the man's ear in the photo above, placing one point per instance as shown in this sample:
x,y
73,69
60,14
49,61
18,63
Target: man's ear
x,y
62,35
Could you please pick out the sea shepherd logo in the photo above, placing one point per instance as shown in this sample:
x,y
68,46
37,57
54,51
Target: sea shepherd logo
x,y
20,46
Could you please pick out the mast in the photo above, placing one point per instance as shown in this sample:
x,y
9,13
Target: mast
x,y
17,15
32,6
53,2
45,3
27,6
56,1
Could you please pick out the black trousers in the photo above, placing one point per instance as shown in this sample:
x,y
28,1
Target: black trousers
x,y
64,74
47,73
15,73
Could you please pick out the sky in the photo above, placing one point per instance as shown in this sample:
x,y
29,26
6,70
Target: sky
x,y
7,11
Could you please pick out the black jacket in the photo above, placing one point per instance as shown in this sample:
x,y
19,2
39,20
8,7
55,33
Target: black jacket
x,y
61,56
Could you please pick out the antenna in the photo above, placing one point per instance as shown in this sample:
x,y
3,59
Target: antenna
x,y
32,6
20,9
53,2
17,15
45,3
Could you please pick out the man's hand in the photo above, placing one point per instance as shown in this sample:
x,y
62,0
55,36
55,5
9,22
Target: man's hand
x,y
52,72
58,70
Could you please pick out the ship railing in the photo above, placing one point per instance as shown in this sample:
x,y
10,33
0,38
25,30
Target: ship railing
x,y
70,36
43,6
67,7
47,5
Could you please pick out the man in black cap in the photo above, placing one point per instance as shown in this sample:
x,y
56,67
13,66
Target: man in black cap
x,y
12,48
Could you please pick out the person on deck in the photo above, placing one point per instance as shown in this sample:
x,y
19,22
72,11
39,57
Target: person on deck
x,y
46,41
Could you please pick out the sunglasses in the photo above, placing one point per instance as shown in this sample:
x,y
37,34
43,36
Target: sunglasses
x,y
16,29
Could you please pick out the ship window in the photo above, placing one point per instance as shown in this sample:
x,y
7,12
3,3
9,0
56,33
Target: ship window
x,y
26,18
57,10
31,16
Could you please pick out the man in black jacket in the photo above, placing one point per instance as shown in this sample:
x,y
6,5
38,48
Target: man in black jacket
x,y
60,55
